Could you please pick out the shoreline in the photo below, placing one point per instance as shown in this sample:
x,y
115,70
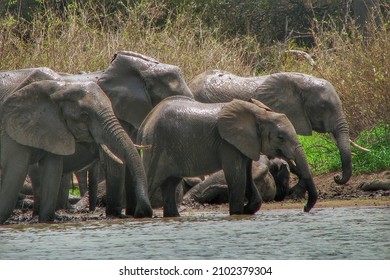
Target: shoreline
x,y
381,201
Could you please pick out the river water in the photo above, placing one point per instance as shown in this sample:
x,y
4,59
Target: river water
x,y
338,233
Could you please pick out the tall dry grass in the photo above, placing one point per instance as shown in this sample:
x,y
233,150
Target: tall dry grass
x,y
85,39
83,42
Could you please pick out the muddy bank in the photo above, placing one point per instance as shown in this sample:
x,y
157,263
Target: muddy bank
x,y
354,193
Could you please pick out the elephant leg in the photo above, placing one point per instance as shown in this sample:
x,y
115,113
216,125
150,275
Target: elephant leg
x,y
131,197
50,172
14,167
63,193
168,190
251,192
93,181
234,166
115,174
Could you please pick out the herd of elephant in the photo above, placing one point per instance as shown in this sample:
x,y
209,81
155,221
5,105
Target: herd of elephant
x,y
241,131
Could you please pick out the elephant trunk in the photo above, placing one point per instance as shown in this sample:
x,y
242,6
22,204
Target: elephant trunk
x,y
120,143
341,134
305,175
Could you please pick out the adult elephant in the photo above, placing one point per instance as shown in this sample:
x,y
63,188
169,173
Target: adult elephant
x,y
134,83
190,138
310,103
271,177
45,121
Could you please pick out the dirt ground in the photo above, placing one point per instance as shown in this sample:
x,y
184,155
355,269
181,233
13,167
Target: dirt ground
x,y
330,195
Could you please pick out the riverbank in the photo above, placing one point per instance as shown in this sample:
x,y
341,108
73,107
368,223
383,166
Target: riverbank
x,y
331,195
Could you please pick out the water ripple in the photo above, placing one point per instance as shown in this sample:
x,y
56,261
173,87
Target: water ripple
x,y
340,233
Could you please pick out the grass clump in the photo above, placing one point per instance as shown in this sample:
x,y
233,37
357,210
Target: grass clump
x,y
378,141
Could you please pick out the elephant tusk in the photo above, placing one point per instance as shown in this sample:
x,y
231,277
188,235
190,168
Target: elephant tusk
x,y
359,147
111,154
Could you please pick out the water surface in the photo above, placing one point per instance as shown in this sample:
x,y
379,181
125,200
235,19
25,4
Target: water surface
x,y
338,233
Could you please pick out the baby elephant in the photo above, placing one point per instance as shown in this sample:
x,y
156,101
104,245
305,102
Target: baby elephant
x,y
189,138
271,177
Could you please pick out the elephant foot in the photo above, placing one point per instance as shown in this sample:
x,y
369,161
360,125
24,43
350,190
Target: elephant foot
x,y
113,212
50,218
125,216
170,212
143,212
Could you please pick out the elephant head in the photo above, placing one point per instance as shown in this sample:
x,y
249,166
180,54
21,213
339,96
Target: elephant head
x,y
310,103
136,83
253,129
55,115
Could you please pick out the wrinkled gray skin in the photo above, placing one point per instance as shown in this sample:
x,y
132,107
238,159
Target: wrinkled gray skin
x,y
135,84
45,121
271,186
190,139
310,103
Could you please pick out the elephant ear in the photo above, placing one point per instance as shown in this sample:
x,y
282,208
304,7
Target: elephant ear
x,y
283,94
260,104
237,124
123,83
31,118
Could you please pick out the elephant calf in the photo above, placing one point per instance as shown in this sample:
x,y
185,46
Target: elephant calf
x,y
271,178
189,139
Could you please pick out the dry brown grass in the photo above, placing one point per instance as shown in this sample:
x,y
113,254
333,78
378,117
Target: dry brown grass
x,y
85,39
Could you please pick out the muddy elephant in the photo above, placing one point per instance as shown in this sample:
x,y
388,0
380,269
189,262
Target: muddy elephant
x,y
271,178
134,83
45,121
190,138
310,103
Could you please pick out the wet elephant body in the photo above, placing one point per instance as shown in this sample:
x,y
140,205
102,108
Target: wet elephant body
x,y
271,178
134,84
190,138
42,122
309,102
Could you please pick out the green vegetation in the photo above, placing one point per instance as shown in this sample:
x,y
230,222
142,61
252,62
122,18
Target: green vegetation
x,y
75,191
323,156
246,37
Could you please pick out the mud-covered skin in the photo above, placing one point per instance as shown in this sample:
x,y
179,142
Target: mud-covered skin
x,y
310,103
189,138
43,122
134,84
271,178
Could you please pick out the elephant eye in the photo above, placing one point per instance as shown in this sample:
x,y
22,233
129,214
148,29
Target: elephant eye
x,y
280,137
84,116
